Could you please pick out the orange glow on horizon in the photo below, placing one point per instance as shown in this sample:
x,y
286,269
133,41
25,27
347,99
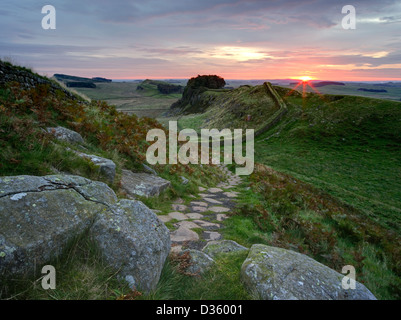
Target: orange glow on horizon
x,y
305,78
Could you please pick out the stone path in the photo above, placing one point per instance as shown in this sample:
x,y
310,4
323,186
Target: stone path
x,y
201,220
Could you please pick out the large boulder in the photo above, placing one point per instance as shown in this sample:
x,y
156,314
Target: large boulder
x,y
135,241
278,274
65,134
40,215
142,184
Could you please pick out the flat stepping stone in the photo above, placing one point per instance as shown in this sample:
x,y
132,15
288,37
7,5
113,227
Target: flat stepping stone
x,y
221,217
215,190
232,194
179,201
205,195
199,203
212,235
202,189
199,209
187,224
183,234
177,216
164,218
219,209
178,207
194,215
212,201
206,224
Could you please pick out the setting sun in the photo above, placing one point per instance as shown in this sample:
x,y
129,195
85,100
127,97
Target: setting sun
x,y
305,78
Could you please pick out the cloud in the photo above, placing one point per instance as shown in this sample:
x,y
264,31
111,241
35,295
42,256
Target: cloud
x,y
187,37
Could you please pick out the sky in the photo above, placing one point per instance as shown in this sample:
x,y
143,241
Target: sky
x,y
161,39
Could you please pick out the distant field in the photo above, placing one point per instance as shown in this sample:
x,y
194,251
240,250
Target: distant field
x,y
126,97
393,93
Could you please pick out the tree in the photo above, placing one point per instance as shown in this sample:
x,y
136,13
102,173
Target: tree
x,y
207,81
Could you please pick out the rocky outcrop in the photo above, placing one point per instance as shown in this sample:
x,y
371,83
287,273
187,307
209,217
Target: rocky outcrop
x,y
81,84
199,262
40,215
27,79
107,167
65,134
213,248
142,184
148,169
278,274
134,240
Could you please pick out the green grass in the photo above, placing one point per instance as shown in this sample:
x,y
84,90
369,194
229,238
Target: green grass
x,y
193,121
221,282
245,107
334,193
348,147
340,199
27,149
81,274
281,211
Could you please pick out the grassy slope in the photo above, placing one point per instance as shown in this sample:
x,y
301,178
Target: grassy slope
x,y
348,147
230,109
347,150
27,150
276,210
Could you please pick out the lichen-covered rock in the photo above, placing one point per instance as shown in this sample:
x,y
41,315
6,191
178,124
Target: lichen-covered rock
x,y
200,262
135,241
279,274
91,190
39,215
65,134
149,169
106,166
214,248
142,184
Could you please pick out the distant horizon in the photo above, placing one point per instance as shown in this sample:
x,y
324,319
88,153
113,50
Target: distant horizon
x,y
227,79
284,79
